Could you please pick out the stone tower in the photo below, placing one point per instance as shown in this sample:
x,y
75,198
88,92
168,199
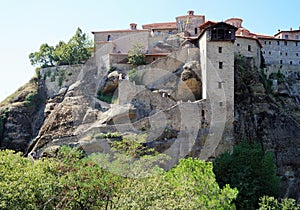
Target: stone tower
x,y
216,45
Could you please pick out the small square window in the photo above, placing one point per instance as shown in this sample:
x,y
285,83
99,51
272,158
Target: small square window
x,y
220,49
220,65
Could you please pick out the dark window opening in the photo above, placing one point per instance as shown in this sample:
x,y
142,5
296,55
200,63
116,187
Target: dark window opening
x,y
286,54
291,62
153,59
270,53
296,43
280,53
286,36
238,44
265,42
108,38
219,85
297,54
270,42
196,30
249,48
278,43
285,42
220,65
221,103
222,34
280,61
203,113
220,49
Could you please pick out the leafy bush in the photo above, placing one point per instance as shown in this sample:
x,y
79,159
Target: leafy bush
x,y
251,171
190,185
267,203
136,55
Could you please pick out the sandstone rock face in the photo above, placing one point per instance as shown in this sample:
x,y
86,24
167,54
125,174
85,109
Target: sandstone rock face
x,y
110,83
23,116
273,120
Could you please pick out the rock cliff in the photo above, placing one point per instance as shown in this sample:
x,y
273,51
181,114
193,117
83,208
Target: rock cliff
x,y
163,101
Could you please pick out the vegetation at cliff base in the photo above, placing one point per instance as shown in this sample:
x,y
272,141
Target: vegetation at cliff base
x,y
251,170
76,51
72,181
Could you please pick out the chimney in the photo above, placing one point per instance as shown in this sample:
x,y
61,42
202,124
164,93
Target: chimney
x,y
291,29
278,30
190,12
133,26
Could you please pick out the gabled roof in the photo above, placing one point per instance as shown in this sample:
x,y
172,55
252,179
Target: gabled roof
x,y
207,24
167,25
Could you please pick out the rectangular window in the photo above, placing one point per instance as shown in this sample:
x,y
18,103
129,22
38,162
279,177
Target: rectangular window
x,y
291,62
297,54
219,85
220,49
280,61
270,42
278,43
265,42
280,53
286,54
296,43
297,36
285,43
286,36
270,53
220,65
221,103
249,48
158,32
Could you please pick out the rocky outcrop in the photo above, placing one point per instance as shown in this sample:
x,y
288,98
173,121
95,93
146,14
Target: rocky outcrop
x,y
270,118
22,116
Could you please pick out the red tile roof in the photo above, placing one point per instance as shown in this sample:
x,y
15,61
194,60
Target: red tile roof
x,y
167,25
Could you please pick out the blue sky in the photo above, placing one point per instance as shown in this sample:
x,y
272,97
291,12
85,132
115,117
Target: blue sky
x,y
25,25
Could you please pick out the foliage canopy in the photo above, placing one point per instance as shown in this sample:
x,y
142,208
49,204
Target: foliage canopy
x,y
76,51
251,171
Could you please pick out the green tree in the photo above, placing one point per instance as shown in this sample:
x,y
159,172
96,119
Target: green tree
x,y
190,185
268,203
136,55
44,57
75,51
251,170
